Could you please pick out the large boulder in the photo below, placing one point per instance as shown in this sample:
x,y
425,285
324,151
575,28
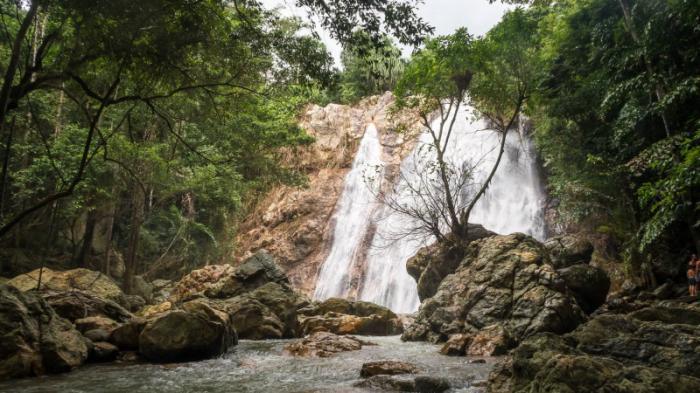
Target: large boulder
x,y
568,250
193,333
341,316
652,350
433,263
226,281
269,311
324,344
589,285
85,280
126,336
77,304
502,280
33,339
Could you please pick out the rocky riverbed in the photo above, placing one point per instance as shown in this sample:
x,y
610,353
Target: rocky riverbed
x,y
263,366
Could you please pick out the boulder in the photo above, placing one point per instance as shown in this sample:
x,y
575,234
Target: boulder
x,y
143,289
324,344
652,350
568,250
502,280
134,303
91,323
85,280
387,367
490,341
155,309
428,384
103,352
33,338
74,305
161,290
225,281
126,336
196,332
269,311
198,281
97,335
433,263
254,320
342,316
589,285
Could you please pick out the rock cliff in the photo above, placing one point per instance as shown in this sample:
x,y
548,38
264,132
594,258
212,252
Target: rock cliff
x,y
294,224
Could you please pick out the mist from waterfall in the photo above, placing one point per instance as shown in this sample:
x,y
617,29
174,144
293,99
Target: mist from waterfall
x,y
353,218
513,202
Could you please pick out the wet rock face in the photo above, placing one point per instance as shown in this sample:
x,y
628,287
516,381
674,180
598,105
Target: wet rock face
x,y
196,332
502,280
589,285
33,339
433,263
226,281
568,250
652,350
269,311
342,316
324,344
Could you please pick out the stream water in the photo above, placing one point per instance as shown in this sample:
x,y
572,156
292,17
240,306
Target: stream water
x,y
258,366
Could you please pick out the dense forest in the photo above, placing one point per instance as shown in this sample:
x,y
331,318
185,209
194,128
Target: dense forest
x,y
169,140
145,139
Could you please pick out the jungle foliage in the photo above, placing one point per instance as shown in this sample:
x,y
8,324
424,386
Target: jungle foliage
x,y
141,130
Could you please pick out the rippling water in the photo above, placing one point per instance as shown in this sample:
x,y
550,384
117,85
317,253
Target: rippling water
x,y
257,366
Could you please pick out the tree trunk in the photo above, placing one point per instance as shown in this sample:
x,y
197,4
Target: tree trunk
x,y
108,239
137,216
86,247
13,63
4,178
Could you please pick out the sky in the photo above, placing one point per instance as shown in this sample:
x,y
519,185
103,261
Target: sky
x,y
445,15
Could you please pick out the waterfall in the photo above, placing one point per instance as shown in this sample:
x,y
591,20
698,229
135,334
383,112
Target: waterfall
x,y
353,217
513,203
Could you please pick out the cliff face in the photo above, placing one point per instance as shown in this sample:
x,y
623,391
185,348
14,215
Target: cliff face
x,y
295,224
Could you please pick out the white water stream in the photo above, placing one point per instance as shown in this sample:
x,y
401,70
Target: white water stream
x,y
513,203
353,216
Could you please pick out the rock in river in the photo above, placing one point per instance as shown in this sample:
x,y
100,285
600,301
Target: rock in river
x,y
193,333
504,281
33,338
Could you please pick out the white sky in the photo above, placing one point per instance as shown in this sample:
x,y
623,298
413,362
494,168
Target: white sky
x,y
445,15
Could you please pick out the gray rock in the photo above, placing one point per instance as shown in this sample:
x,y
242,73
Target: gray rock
x,y
428,384
433,263
650,350
568,250
589,284
387,367
103,352
194,333
35,340
504,281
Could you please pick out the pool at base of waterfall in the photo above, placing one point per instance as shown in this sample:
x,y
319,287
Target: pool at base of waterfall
x,y
261,366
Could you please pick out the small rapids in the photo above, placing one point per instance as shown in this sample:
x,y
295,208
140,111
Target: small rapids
x,y
259,366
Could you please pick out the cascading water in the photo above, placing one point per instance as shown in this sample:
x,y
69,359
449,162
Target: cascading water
x,y
513,203
353,217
